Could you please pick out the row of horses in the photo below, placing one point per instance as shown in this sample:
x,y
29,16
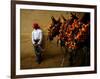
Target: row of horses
x,y
73,33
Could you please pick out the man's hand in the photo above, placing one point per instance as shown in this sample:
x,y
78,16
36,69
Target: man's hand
x,y
35,45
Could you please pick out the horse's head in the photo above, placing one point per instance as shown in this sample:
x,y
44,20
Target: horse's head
x,y
54,28
72,18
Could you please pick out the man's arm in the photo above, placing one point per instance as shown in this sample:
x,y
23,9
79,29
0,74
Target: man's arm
x,y
33,39
41,35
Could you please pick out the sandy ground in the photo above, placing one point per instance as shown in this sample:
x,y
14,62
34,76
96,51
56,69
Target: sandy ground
x,y
53,56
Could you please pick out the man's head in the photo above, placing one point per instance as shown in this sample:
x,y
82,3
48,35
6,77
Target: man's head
x,y
35,26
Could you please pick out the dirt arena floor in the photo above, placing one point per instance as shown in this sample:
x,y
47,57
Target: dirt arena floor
x,y
53,55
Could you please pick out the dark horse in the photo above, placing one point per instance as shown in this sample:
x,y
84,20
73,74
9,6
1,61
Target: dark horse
x,y
54,28
73,34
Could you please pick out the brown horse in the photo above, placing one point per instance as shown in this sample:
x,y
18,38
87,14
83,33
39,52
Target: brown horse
x,y
71,33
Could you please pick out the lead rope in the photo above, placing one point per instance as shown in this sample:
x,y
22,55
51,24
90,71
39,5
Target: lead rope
x,y
63,58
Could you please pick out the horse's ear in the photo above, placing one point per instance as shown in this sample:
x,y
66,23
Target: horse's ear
x,y
63,18
53,19
75,14
58,19
72,14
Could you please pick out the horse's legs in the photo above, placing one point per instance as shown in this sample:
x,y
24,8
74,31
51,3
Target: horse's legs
x,y
72,58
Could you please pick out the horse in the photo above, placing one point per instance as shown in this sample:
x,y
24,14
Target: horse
x,y
54,28
72,33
